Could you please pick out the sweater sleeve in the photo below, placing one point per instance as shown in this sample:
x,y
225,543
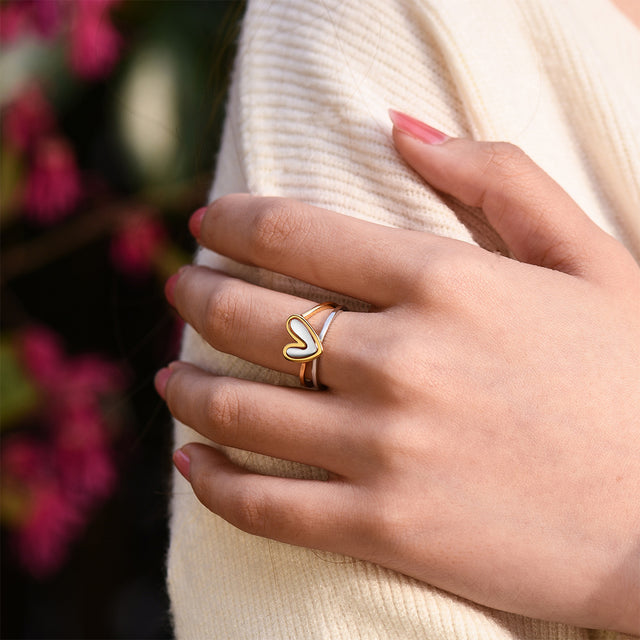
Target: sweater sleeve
x,y
307,119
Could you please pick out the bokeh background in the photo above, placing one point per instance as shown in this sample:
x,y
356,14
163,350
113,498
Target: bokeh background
x,y
110,118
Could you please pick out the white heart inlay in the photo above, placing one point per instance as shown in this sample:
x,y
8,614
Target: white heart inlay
x,y
307,345
301,332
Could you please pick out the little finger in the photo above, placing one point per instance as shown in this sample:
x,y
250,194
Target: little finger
x,y
308,513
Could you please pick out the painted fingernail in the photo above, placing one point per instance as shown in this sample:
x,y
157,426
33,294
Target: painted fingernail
x,y
182,462
196,221
160,381
417,129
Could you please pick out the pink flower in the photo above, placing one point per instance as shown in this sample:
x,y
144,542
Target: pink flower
x,y
44,536
42,355
24,459
53,186
56,481
87,475
98,6
23,16
15,19
73,383
47,17
82,387
137,243
90,374
81,449
95,44
27,118
78,425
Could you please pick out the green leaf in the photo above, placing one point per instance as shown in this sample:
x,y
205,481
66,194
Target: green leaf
x,y
18,395
11,179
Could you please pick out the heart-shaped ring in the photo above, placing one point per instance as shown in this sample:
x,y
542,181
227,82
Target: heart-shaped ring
x,y
307,345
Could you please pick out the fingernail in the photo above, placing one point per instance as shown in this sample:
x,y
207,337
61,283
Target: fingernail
x,y
196,221
417,129
160,381
182,462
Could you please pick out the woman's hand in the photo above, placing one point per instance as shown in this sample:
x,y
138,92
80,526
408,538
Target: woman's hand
x,y
481,426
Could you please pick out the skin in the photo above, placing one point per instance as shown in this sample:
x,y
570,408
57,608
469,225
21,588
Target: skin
x,y
631,8
481,424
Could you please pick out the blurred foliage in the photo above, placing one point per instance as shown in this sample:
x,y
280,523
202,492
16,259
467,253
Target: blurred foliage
x,y
111,116
17,391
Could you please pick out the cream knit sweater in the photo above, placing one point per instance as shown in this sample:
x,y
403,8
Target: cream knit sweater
x,y
308,119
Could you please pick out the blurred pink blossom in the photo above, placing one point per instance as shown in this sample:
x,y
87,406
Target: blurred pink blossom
x,y
97,5
70,469
73,381
43,537
95,43
42,355
47,16
43,17
24,458
27,118
137,243
82,456
15,19
53,186
78,425
93,375
87,475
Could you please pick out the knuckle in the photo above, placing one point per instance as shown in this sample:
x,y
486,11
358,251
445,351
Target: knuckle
x,y
223,411
436,276
387,376
505,157
408,368
505,170
202,483
276,222
222,312
250,511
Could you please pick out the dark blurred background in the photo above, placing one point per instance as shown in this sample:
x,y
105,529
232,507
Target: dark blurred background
x,y
111,115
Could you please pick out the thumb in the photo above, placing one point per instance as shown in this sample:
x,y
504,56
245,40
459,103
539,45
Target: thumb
x,y
537,219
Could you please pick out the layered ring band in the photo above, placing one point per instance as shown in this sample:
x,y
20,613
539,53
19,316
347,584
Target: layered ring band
x,y
307,345
314,363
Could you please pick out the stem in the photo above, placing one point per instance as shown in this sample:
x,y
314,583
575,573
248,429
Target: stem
x,y
37,253
44,249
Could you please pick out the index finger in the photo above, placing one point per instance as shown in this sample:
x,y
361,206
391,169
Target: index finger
x,y
333,251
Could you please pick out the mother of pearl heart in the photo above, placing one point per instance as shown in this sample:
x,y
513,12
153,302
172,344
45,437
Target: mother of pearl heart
x,y
307,345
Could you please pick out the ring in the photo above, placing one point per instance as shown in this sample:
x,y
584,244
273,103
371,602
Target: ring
x,y
307,345
323,333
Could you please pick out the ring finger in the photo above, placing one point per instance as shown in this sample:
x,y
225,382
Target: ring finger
x,y
249,321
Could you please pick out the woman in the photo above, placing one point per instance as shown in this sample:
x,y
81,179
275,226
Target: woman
x,y
477,426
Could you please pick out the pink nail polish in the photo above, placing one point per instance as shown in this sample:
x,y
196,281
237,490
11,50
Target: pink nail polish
x,y
195,222
160,381
169,288
417,129
183,463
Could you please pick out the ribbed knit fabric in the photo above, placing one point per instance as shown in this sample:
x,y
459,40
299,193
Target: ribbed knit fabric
x,y
308,119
